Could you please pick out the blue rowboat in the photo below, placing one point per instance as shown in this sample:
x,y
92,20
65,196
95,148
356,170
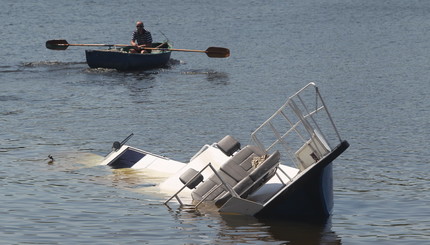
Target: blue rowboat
x,y
121,59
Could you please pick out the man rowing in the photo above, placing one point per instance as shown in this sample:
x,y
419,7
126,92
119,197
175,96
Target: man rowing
x,y
141,38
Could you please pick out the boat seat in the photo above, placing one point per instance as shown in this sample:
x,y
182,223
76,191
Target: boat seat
x,y
258,177
192,177
238,167
228,145
212,187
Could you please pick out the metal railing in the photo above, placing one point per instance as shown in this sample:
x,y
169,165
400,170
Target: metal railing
x,y
227,186
303,119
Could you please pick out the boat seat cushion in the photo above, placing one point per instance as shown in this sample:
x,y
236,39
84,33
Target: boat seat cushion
x,y
236,169
214,184
255,180
240,165
228,145
204,188
240,189
191,174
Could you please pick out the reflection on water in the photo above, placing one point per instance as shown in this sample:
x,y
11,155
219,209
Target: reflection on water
x,y
233,229
295,232
212,76
220,228
220,78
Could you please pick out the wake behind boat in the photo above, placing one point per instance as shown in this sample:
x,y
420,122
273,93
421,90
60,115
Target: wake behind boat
x,y
285,172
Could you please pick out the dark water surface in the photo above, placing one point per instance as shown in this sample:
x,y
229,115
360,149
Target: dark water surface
x,y
370,59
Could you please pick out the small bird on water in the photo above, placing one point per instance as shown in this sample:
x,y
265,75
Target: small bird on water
x,y
51,159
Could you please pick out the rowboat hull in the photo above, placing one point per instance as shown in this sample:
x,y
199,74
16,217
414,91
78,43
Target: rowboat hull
x,y
124,61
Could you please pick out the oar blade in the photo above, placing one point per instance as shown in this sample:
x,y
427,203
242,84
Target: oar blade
x,y
217,52
57,44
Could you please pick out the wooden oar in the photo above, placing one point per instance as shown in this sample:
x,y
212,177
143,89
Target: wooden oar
x,y
213,52
62,44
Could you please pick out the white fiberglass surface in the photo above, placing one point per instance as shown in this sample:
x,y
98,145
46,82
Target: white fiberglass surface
x,y
210,155
275,184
